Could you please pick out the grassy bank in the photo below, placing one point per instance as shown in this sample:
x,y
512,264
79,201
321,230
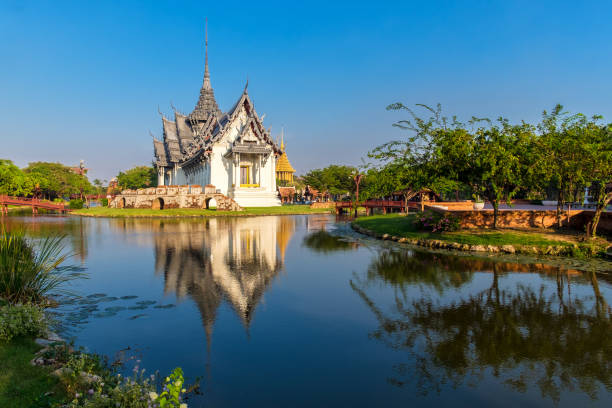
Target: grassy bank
x,y
24,385
189,212
396,225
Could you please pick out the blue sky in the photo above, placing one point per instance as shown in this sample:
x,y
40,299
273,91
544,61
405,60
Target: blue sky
x,y
84,79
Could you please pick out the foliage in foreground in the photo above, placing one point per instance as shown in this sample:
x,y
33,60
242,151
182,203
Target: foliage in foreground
x,y
94,383
21,321
28,272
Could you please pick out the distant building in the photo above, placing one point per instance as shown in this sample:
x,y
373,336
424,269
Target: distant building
x,y
231,151
80,169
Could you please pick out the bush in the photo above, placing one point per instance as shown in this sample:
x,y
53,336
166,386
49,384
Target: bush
x,y
104,202
21,320
76,204
436,222
113,390
29,273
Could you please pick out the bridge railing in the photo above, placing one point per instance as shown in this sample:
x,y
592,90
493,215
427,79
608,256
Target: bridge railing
x,y
372,203
31,202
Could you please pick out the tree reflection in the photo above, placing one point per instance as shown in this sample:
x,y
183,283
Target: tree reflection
x,y
324,242
406,268
521,335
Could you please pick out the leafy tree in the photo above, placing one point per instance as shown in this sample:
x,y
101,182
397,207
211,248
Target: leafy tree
x,y
56,180
13,181
407,165
599,152
99,186
564,138
334,179
138,177
442,154
494,164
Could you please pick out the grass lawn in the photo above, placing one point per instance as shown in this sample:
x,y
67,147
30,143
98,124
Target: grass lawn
x,y
402,226
194,212
23,385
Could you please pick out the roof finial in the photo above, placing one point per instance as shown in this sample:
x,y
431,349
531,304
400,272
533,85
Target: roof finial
x,y
246,85
206,73
282,139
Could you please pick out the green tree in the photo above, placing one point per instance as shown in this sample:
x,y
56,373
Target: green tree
x,y
13,181
442,154
407,165
565,138
599,152
56,180
334,179
495,163
138,177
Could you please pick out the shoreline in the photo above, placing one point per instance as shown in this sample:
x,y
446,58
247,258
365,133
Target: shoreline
x,y
106,212
569,250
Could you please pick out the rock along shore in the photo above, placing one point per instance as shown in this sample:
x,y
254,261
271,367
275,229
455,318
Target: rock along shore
x,y
558,250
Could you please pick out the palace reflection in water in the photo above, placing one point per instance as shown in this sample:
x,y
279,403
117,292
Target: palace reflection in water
x,y
220,259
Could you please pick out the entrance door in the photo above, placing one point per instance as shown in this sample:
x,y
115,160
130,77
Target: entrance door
x,y
245,176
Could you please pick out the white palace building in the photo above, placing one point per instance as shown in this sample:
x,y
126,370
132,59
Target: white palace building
x,y
231,151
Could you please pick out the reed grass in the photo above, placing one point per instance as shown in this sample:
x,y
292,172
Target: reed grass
x,y
30,271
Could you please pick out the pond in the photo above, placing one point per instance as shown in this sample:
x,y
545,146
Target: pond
x,y
300,311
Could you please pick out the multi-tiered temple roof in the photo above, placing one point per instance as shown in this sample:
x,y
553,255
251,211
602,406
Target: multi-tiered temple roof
x,y
284,169
188,138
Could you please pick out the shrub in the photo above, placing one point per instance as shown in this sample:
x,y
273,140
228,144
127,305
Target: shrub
x,y
436,222
113,390
29,273
21,320
76,204
104,202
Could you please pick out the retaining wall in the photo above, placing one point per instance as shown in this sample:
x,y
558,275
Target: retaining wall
x,y
529,219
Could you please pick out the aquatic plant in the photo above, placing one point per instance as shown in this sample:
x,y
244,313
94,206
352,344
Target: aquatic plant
x,y
30,272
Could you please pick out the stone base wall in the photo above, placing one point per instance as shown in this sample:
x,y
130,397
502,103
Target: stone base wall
x,y
164,197
452,205
531,219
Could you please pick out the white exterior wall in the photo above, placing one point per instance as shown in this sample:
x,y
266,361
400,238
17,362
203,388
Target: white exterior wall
x,y
224,173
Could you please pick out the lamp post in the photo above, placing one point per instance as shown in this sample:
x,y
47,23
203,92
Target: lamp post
x,y
357,179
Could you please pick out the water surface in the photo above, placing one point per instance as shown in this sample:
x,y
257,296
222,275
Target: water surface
x,y
300,311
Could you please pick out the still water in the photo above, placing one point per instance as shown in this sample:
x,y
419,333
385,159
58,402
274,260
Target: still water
x,y
299,311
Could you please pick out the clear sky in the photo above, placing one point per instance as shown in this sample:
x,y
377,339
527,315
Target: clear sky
x,y
84,79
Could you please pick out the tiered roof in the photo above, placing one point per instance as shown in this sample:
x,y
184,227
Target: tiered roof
x,y
207,104
282,163
188,137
